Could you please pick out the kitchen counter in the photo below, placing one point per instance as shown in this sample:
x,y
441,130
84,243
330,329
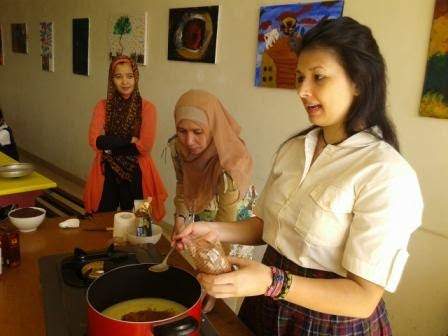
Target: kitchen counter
x,y
21,304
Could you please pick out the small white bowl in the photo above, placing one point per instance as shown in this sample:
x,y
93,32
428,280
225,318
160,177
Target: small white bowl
x,y
136,240
27,224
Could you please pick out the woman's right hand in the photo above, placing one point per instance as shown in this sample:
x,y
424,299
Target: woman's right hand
x,y
193,231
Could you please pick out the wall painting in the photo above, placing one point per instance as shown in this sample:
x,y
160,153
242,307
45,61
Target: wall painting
x,y
434,102
81,46
128,36
46,46
2,58
192,34
19,38
279,25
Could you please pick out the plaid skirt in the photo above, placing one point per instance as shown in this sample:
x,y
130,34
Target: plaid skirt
x,y
268,317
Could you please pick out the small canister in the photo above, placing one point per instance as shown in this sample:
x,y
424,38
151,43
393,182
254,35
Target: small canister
x,y
11,246
1,258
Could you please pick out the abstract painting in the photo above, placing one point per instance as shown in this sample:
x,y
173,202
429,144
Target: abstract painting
x,y
46,46
81,46
434,102
279,26
127,36
192,34
19,38
2,58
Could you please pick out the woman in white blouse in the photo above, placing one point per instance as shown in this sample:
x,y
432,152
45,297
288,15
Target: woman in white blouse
x,y
338,208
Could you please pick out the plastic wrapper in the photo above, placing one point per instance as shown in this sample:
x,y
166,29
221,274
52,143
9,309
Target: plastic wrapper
x,y
209,257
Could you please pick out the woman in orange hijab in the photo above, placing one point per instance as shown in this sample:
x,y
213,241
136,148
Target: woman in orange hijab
x,y
122,133
213,166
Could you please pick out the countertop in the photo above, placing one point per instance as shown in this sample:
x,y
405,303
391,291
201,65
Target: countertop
x,y
21,304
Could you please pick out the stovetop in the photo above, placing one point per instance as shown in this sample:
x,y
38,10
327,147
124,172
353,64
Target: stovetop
x,y
64,285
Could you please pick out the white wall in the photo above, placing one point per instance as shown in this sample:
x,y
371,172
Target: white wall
x,y
50,112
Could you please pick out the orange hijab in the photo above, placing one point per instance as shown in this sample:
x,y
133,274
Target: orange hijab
x,y
225,153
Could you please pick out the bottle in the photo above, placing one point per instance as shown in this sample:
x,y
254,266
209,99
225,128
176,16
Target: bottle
x,y
1,259
143,218
10,246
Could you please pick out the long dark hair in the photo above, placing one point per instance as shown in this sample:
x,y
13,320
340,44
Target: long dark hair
x,y
359,55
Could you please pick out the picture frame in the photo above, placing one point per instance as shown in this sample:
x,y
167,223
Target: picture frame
x,y
47,46
19,38
81,46
192,34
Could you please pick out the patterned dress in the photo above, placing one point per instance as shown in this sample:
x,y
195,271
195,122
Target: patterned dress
x,y
225,206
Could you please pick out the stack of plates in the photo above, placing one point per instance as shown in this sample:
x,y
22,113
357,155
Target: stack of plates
x,y
16,169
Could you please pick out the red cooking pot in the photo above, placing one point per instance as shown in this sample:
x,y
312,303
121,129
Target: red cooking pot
x,y
136,281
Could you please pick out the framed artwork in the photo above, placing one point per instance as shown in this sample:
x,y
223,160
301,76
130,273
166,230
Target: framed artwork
x,y
192,34
434,102
2,58
46,46
81,46
19,38
279,26
128,36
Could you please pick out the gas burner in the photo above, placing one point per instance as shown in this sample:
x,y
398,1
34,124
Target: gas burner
x,y
81,268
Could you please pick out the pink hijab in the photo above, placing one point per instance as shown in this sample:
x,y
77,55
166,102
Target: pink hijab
x,y
225,153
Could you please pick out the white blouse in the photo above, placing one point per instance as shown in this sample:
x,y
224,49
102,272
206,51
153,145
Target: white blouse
x,y
353,210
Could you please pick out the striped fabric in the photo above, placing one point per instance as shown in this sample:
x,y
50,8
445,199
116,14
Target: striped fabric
x,y
268,317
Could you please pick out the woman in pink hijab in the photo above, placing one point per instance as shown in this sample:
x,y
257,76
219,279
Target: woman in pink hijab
x,y
213,166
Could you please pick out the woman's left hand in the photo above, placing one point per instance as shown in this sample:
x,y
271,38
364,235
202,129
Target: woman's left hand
x,y
251,278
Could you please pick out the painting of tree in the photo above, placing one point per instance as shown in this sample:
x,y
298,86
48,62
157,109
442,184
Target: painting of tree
x,y
127,36
121,27
434,101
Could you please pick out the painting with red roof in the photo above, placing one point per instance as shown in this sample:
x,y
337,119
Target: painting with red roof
x,y
278,26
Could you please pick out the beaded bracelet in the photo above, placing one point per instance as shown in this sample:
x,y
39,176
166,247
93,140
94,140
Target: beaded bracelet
x,y
285,287
278,277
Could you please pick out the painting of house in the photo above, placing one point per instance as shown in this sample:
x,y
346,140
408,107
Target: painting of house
x,y
279,26
434,102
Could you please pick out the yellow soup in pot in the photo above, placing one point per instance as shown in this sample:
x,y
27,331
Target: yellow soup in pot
x,y
144,310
